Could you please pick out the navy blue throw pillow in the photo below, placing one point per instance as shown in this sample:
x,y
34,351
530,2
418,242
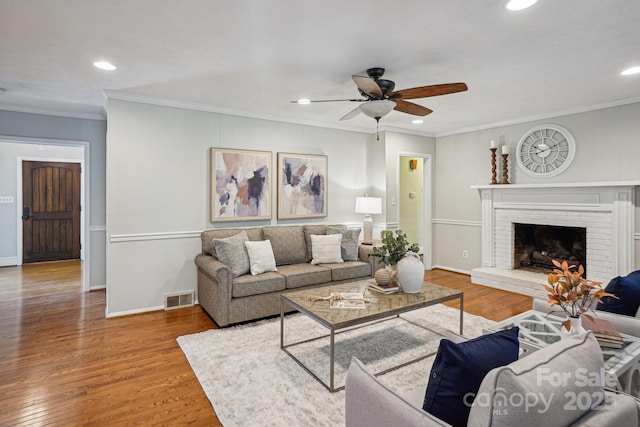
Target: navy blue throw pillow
x,y
627,289
458,371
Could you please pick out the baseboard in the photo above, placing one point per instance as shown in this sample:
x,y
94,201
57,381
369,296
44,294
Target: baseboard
x,y
453,269
130,312
8,261
98,287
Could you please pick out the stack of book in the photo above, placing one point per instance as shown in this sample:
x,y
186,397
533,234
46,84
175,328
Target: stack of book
x,y
604,331
384,289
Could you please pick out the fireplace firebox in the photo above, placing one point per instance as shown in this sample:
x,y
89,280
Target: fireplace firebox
x,y
535,246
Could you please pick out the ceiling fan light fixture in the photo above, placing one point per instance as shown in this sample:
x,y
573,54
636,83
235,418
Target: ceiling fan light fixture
x,y
377,109
417,121
514,5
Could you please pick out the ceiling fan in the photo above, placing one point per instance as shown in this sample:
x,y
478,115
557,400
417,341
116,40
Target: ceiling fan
x,y
379,97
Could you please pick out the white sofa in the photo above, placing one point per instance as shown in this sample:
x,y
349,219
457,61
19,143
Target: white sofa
x,y
369,403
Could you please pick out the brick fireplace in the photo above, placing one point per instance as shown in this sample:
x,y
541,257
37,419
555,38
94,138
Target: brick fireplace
x,y
605,211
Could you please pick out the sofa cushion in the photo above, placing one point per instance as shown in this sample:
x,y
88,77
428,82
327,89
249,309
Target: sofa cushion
x,y
232,251
299,275
287,243
207,236
458,370
627,289
261,257
326,249
248,284
349,270
560,377
349,244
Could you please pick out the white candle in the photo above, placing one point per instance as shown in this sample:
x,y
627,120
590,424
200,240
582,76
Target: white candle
x,y
493,144
505,149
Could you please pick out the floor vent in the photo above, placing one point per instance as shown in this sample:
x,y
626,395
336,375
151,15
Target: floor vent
x,y
178,300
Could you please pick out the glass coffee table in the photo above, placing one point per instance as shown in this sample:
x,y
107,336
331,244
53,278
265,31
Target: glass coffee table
x,y
381,307
537,330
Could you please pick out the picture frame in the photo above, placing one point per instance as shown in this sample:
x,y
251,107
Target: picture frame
x,y
240,185
302,185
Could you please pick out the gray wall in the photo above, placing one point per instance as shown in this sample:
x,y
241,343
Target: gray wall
x,y
158,190
607,149
19,125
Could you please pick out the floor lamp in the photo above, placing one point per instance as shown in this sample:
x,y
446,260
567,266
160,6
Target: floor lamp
x,y
368,206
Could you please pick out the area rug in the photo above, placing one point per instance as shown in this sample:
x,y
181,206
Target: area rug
x,y
251,381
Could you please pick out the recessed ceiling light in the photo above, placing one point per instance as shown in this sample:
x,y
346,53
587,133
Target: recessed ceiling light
x,y
417,121
520,4
304,101
104,65
630,71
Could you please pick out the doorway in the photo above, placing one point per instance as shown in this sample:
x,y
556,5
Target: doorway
x,y
414,201
51,211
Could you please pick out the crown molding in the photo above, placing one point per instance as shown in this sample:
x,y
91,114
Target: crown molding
x,y
164,102
55,112
545,116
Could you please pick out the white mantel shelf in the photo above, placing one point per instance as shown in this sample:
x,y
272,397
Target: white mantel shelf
x,y
557,185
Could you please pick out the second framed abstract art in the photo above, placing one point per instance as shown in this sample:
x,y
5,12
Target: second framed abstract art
x,y
302,185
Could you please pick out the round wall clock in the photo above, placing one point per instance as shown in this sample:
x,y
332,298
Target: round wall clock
x,y
545,151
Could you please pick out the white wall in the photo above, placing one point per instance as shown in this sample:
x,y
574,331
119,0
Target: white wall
x,y
607,149
158,190
91,133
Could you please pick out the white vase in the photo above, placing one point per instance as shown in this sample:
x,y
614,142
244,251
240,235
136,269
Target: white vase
x,y
575,327
410,273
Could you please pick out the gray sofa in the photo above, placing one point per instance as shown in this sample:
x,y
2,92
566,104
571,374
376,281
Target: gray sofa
x,y
369,403
246,297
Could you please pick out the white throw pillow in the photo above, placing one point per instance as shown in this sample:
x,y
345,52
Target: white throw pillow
x,y
326,249
261,256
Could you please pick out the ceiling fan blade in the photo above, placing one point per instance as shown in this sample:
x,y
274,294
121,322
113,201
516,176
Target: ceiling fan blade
x,y
351,114
411,108
427,91
329,100
368,86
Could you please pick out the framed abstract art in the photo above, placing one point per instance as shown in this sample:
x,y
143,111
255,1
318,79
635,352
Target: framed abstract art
x,y
302,185
240,185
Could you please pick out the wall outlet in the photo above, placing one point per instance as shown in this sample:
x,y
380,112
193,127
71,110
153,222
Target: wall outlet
x,y
6,199
465,253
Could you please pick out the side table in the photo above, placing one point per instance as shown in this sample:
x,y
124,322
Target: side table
x,y
537,330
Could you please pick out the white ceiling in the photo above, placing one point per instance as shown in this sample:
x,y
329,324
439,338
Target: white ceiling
x,y
253,57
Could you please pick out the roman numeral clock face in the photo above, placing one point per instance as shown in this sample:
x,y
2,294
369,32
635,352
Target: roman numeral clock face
x,y
545,151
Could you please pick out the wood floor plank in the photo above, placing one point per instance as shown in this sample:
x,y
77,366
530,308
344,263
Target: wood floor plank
x,y
62,363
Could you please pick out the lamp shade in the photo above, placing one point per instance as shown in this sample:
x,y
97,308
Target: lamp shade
x,y
377,109
369,205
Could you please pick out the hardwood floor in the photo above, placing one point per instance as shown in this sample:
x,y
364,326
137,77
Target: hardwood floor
x,y
63,364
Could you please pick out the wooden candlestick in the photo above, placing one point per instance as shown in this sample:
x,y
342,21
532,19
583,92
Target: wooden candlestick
x,y
505,169
493,165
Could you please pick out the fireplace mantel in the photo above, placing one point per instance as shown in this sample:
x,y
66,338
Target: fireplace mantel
x,y
605,209
559,185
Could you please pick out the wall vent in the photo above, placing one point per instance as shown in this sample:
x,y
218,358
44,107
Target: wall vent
x,y
178,300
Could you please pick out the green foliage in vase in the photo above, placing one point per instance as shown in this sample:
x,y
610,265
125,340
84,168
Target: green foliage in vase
x,y
393,249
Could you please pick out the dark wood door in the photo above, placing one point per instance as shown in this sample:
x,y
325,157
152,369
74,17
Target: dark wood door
x,y
51,211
